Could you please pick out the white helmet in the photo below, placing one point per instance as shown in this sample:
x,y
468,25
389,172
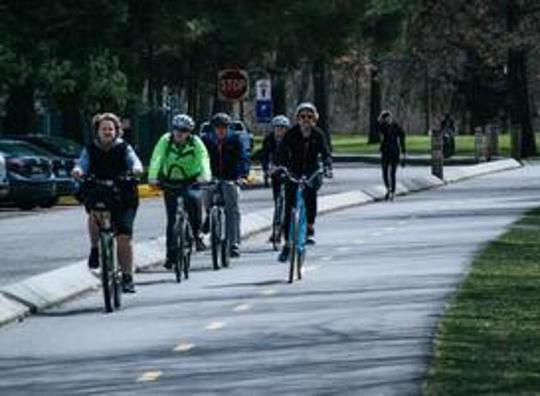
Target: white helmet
x,y
281,121
183,121
307,106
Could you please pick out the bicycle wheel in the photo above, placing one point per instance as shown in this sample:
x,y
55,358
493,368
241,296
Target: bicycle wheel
x,y
215,240
293,245
225,243
178,232
107,275
188,248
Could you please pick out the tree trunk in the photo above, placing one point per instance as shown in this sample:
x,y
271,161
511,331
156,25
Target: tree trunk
x,y
279,87
427,101
20,114
519,102
374,106
320,91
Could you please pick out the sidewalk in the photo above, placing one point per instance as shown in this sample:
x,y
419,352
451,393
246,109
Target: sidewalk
x,y
42,291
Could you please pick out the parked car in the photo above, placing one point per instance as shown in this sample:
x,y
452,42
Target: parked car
x,y
57,145
4,185
30,176
62,158
238,126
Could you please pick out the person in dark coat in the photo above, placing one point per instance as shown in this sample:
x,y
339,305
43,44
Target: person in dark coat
x,y
392,151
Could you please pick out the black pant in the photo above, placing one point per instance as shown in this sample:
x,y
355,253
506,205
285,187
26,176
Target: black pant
x,y
276,186
192,202
389,169
310,199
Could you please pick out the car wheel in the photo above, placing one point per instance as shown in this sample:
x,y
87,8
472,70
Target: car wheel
x,y
26,205
49,203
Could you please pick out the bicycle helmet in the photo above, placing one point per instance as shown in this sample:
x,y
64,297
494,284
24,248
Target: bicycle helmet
x,y
281,121
307,106
220,119
183,121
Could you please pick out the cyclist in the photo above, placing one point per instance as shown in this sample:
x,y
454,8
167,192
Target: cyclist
x,y
300,152
229,160
392,147
107,158
180,157
270,150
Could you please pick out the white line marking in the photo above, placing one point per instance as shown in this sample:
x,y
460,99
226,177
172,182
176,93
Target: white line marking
x,y
184,347
268,292
327,258
376,234
310,268
389,229
216,326
343,248
242,307
402,222
149,376
359,242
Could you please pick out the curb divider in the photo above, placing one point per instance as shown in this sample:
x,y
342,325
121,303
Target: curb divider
x,y
43,291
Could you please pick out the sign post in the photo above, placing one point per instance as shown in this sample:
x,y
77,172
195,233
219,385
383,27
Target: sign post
x,y
437,157
263,106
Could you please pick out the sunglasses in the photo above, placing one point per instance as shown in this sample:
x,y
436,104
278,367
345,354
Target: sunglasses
x,y
306,116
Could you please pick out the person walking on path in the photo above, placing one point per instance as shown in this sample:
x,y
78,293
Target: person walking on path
x,y
392,151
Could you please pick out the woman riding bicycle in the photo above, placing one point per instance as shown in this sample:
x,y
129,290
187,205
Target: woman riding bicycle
x,y
109,158
300,152
270,150
180,158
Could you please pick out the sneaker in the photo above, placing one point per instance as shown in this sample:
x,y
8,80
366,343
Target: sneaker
x,y
199,244
392,196
235,251
310,240
127,284
93,259
168,264
387,196
284,255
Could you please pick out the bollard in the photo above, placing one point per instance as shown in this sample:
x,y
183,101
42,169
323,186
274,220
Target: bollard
x,y
516,141
437,157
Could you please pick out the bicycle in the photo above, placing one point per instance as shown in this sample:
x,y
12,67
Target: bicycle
x,y
101,196
183,233
219,240
298,225
278,218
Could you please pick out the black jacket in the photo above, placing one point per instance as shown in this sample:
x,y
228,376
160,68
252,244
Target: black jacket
x,y
303,156
392,140
270,151
229,159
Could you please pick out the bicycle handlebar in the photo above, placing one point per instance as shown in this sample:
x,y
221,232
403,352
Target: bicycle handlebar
x,y
301,180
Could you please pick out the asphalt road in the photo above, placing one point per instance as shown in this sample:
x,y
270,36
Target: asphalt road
x,y
360,323
32,243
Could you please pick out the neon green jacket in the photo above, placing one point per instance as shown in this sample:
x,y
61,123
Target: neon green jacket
x,y
172,162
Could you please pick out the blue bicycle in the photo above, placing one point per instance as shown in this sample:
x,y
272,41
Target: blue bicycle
x,y
298,225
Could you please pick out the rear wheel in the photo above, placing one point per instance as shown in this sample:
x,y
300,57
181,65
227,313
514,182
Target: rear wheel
x,y
178,232
107,277
186,252
225,243
117,290
215,239
293,247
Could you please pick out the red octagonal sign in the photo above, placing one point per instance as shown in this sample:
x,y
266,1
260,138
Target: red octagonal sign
x,y
233,84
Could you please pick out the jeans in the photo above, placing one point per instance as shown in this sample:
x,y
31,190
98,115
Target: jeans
x,y
389,169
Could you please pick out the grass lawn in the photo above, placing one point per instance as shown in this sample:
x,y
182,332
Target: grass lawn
x,y
416,144
488,341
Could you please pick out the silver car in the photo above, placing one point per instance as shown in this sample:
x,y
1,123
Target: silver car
x,y
4,186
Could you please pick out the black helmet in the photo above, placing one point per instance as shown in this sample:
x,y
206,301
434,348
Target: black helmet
x,y
221,119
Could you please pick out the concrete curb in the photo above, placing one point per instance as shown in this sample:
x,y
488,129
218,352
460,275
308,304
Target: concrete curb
x,y
52,288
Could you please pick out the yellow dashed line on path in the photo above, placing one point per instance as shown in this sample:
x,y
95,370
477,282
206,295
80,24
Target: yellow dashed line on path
x,y
184,347
216,326
149,376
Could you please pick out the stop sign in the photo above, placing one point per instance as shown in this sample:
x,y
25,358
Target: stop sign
x,y
233,84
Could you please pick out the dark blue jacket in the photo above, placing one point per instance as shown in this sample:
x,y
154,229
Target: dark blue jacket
x,y
229,159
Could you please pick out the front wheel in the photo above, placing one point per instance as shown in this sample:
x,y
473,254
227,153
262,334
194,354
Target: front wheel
x,y
187,250
293,245
178,232
107,274
215,239
225,243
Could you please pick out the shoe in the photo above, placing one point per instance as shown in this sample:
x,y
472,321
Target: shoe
x,y
392,196
127,284
235,251
271,239
284,255
199,244
387,196
310,240
93,259
168,264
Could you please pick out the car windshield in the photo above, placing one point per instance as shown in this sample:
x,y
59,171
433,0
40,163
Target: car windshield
x,y
21,148
63,146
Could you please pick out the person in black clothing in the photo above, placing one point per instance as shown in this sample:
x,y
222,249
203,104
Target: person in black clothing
x,y
107,158
301,151
392,148
229,160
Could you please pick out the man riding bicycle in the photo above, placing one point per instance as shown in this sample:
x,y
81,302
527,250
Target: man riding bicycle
x,y
229,160
300,152
180,158
109,158
270,150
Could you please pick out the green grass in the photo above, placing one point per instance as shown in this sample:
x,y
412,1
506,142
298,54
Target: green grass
x,y
416,144
488,341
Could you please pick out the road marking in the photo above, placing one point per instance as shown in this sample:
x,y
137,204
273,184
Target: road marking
x,y
343,248
327,258
389,229
359,242
310,268
376,234
149,376
242,307
402,222
184,347
268,292
216,326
